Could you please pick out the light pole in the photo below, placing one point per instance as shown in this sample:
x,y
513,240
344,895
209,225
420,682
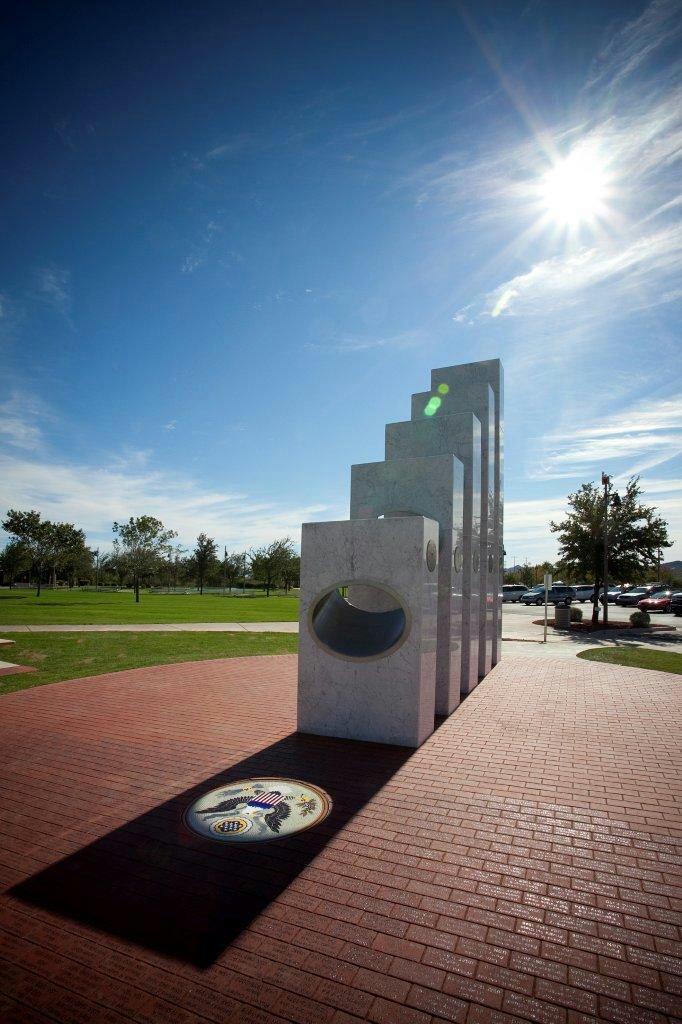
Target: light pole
x,y
606,480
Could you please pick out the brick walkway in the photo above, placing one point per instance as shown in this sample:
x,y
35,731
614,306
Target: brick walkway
x,y
519,866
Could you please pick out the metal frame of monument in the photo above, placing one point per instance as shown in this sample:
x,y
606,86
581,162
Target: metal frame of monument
x,y
400,605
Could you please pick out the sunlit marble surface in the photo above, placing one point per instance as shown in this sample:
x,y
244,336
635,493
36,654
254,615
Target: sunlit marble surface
x,y
459,434
389,698
479,398
468,382
432,487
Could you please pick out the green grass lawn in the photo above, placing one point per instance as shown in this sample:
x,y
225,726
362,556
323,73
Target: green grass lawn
x,y
58,656
71,607
636,657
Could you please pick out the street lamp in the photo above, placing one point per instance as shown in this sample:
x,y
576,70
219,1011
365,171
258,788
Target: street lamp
x,y
606,481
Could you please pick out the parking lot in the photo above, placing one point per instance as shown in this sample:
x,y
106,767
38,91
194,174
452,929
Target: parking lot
x,y
515,616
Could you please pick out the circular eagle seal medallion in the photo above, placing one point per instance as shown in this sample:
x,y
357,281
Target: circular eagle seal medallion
x,y
255,810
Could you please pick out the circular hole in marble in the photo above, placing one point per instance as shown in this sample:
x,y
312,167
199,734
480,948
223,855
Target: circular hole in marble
x,y
256,810
458,559
359,620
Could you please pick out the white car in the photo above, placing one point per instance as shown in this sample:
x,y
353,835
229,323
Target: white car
x,y
513,591
584,592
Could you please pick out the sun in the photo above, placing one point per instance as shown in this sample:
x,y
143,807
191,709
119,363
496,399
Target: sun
x,y
574,190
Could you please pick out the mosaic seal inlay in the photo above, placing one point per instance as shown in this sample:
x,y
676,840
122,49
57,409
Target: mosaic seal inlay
x,y
255,810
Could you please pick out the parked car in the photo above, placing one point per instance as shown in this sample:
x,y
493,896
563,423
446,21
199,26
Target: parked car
x,y
676,603
612,592
657,602
513,591
631,598
558,594
584,592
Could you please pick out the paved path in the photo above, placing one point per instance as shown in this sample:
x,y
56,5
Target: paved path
x,y
522,642
518,866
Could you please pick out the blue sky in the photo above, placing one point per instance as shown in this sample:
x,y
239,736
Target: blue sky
x,y
238,236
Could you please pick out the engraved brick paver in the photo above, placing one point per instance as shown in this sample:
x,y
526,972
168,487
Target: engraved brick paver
x,y
522,865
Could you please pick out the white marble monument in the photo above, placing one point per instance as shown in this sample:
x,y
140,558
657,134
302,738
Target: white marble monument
x,y
367,650
400,606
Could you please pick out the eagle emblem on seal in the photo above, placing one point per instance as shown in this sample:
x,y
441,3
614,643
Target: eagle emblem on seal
x,y
270,808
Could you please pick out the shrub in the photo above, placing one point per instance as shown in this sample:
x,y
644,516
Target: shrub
x,y
576,615
640,619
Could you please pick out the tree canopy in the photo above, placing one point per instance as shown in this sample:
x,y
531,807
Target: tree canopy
x,y
141,542
271,563
203,556
48,544
635,534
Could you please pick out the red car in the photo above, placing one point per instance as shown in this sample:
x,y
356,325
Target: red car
x,y
659,602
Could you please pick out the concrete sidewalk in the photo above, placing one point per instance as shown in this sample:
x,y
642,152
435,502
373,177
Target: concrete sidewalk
x,y
526,643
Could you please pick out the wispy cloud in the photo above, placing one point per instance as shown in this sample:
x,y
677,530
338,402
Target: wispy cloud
x,y
124,483
353,343
639,274
631,440
95,495
659,25
171,425
20,421
54,287
201,249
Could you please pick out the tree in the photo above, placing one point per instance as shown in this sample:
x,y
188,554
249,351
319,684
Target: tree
x,y
291,572
234,565
15,559
527,575
68,549
203,556
176,559
269,563
139,544
118,563
37,536
635,533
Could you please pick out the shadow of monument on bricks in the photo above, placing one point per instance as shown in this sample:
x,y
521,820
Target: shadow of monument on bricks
x,y
155,883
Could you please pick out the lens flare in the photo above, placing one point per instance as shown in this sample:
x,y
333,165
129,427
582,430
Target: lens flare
x,y
443,389
433,405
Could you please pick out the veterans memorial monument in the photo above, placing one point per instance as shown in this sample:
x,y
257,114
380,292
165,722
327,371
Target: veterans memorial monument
x,y
400,605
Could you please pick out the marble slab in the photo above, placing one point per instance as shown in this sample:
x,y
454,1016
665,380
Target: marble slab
x,y
431,487
479,398
368,618
458,379
458,435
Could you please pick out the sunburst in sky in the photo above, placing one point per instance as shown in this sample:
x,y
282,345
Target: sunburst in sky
x,y
575,189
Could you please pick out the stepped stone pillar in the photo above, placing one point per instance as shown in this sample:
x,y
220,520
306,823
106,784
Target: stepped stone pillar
x,y
459,435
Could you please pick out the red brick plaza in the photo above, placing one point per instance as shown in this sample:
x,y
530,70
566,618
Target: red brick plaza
x,y
520,866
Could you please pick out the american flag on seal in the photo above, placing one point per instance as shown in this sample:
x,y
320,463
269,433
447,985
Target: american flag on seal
x,y
266,800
